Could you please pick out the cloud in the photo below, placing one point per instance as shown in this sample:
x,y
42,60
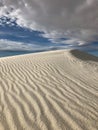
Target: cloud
x,y
20,46
75,19
12,45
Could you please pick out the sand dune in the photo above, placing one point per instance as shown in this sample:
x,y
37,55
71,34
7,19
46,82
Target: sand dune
x,y
55,90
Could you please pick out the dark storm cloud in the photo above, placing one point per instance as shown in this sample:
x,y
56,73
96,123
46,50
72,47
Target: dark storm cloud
x,y
75,19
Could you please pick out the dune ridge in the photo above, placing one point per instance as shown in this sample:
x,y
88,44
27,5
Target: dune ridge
x,y
55,90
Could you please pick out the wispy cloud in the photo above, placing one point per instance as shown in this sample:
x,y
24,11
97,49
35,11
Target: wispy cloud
x,y
21,46
11,45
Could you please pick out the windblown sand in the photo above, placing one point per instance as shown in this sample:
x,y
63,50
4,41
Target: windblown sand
x,y
55,90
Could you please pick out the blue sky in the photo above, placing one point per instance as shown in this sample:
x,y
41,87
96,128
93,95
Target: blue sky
x,y
13,35
45,25
30,40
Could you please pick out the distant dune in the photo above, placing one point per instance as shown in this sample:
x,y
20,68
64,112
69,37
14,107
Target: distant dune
x,y
56,90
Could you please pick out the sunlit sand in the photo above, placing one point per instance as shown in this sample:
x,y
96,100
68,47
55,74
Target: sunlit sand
x,y
56,90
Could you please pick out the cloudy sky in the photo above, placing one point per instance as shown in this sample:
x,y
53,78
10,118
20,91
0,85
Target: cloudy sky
x,y
48,24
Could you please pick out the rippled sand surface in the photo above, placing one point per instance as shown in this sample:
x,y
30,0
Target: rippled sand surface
x,y
55,90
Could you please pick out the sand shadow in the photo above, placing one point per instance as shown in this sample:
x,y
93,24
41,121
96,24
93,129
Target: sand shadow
x,y
84,56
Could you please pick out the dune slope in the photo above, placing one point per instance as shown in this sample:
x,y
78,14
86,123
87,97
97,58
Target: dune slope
x,y
55,90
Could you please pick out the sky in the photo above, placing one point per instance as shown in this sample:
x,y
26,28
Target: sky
x,y
48,24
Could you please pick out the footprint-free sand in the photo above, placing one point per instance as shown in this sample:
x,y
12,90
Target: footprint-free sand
x,y
56,90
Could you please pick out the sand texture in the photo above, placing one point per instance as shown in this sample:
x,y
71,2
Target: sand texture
x,y
56,90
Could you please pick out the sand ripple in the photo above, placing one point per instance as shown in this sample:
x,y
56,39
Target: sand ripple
x,y
49,91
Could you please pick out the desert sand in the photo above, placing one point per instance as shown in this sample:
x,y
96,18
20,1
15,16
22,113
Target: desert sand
x,y
56,90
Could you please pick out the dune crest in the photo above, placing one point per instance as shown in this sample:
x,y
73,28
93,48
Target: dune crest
x,y
55,90
83,55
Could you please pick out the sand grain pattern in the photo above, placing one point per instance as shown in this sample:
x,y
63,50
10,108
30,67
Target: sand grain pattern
x,y
55,90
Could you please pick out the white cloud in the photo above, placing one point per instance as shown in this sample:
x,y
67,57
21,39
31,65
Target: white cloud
x,y
57,18
20,46
11,45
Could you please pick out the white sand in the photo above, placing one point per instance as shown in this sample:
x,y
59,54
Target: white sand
x,y
55,90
